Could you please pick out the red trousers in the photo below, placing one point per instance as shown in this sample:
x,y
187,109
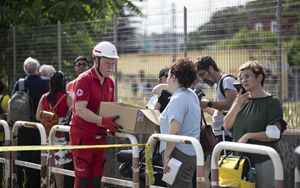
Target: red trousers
x,y
88,163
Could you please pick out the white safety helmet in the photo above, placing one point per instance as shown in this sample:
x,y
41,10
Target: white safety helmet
x,y
105,49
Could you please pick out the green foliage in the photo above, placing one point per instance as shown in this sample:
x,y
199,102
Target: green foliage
x,y
39,12
33,18
250,39
294,52
222,25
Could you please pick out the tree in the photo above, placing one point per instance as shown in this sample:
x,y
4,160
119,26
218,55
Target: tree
x,y
250,39
40,12
222,25
294,52
77,38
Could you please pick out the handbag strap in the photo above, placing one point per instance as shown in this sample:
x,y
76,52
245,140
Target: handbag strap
x,y
203,118
237,165
57,103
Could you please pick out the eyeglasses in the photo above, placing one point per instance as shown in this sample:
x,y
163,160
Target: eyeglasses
x,y
81,64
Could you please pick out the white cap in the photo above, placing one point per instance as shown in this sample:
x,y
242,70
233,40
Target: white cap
x,y
105,49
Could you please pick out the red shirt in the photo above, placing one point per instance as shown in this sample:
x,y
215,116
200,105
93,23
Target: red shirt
x,y
61,109
88,88
70,86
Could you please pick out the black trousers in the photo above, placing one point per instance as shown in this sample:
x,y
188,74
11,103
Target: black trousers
x,y
68,180
27,176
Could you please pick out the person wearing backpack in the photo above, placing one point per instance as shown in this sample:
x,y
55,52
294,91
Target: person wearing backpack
x,y
209,73
57,103
29,90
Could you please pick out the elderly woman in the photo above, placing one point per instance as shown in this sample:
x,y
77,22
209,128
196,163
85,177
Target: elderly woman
x,y
256,117
46,71
181,117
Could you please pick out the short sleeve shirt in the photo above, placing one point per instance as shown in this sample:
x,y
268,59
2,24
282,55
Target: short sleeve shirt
x,y
88,88
218,117
70,88
184,108
255,116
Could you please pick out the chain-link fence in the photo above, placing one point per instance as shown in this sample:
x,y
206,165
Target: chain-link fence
x,y
232,33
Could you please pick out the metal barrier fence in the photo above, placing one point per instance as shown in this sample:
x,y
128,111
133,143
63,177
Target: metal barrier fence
x,y
297,172
42,167
125,183
232,33
200,179
6,156
248,148
46,167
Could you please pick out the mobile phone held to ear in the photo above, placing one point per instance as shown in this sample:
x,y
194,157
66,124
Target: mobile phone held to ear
x,y
238,87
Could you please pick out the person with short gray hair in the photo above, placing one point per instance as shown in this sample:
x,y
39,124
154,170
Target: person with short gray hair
x,y
47,71
35,86
31,66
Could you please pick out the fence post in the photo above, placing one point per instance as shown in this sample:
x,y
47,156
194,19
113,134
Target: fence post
x,y
14,54
296,78
185,31
115,41
174,39
279,47
59,45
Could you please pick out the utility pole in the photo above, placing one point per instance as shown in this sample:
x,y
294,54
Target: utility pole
x,y
59,45
174,41
185,31
279,47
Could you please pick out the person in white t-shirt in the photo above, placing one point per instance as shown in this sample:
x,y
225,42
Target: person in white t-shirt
x,y
210,74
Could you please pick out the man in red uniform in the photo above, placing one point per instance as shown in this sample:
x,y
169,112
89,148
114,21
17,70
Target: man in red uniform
x,y
87,127
81,65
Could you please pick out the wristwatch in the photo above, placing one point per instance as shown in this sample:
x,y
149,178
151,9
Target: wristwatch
x,y
210,104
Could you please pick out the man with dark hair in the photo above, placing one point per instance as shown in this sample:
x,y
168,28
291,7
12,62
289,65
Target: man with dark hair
x,y
210,74
80,65
163,75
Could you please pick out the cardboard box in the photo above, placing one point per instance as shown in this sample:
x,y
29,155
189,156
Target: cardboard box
x,y
133,119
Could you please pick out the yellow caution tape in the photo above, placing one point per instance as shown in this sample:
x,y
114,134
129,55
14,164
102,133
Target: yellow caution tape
x,y
148,152
149,166
64,147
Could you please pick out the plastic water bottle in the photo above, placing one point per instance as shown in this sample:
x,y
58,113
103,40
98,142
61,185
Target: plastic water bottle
x,y
251,175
